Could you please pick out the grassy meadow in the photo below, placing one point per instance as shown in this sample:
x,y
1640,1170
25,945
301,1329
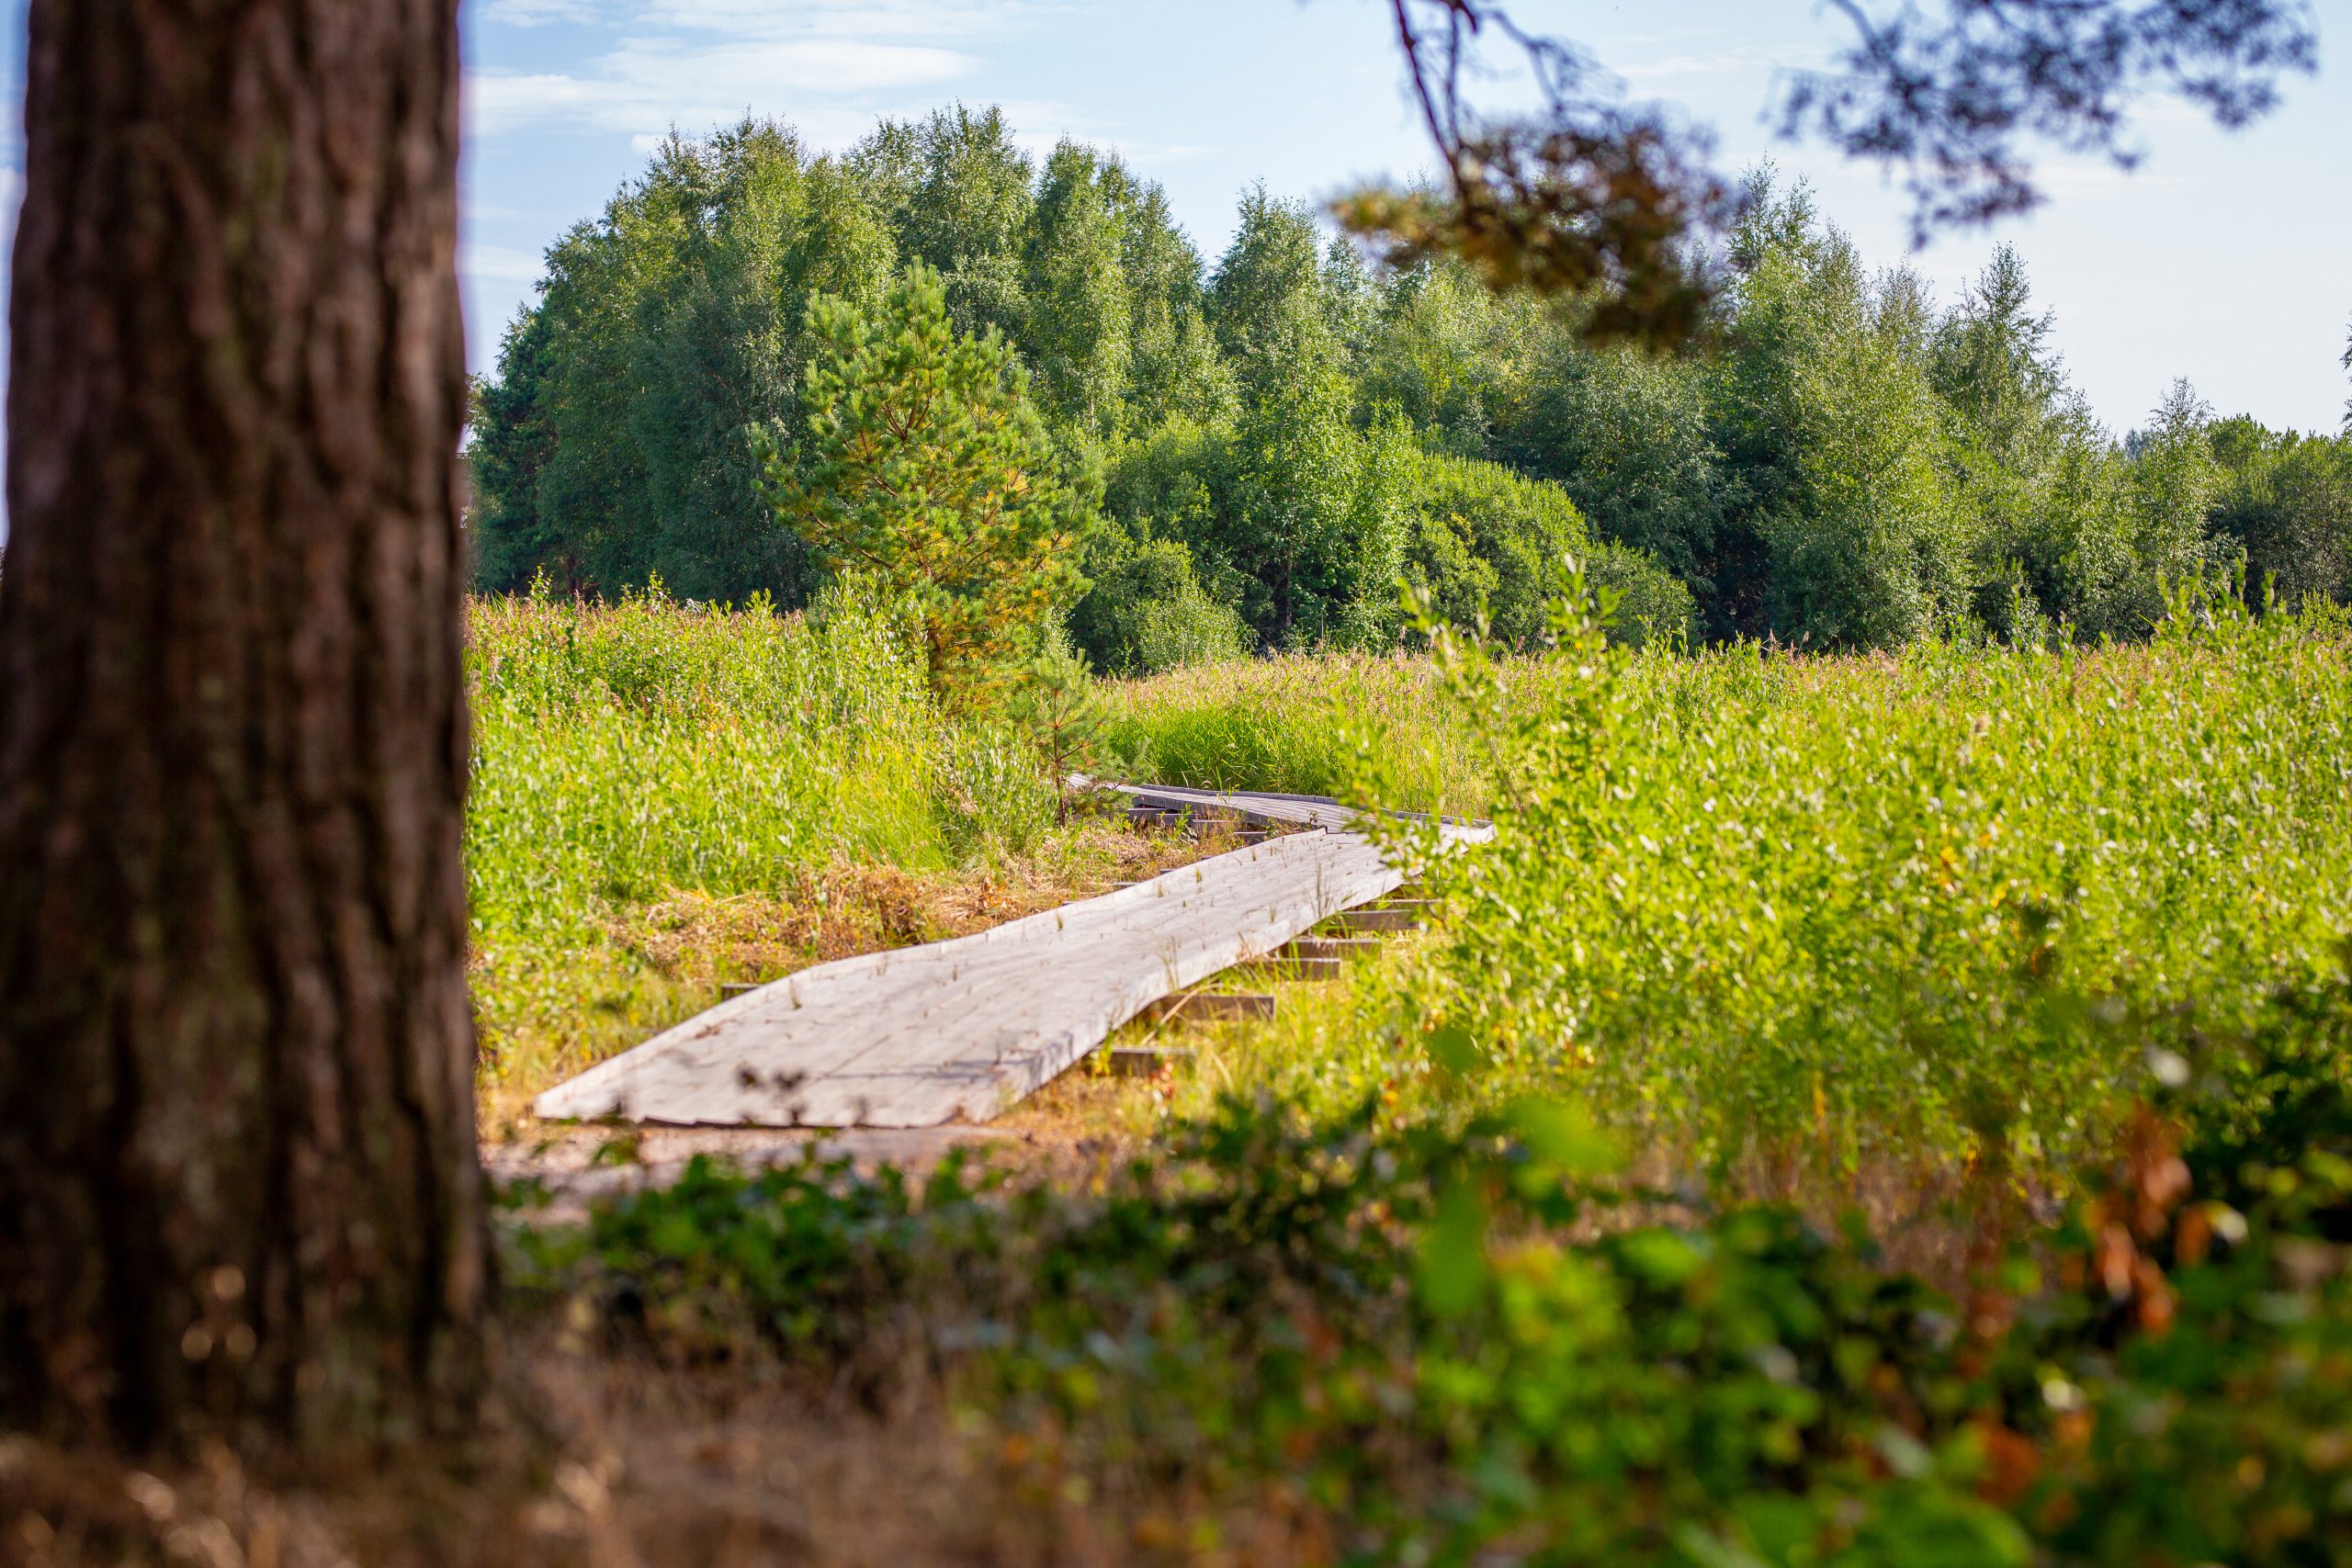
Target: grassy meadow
x,y
1832,910
1853,905
1882,1108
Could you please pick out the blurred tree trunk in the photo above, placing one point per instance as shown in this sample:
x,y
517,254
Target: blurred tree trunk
x,y
239,1190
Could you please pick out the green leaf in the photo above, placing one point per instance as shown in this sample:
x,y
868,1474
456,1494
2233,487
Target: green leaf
x,y
1452,1272
1564,1135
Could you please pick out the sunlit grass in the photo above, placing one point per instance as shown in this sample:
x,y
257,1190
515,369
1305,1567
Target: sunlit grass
x,y
1833,910
1851,902
1294,723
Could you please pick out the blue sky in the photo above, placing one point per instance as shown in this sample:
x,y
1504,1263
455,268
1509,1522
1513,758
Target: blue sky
x,y
2226,259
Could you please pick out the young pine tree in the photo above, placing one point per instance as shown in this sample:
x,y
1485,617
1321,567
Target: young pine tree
x,y
1055,704
927,473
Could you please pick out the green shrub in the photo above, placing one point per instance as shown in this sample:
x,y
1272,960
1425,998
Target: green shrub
x,y
2285,501
1147,611
1486,539
1653,607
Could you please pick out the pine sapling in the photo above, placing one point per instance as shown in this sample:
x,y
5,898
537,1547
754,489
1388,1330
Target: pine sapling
x,y
927,473
1055,704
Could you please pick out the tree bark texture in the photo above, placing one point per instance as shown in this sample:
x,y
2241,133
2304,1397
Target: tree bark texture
x,y
239,1189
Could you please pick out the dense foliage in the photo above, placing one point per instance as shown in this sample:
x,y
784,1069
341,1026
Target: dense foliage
x,y
1280,435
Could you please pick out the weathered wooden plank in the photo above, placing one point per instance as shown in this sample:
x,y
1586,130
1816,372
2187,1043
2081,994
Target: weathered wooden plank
x,y
955,1031
1331,947
1212,1006
1287,810
1380,921
1295,810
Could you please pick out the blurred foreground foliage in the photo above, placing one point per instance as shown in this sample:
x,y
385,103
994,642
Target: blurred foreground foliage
x,y
1465,1339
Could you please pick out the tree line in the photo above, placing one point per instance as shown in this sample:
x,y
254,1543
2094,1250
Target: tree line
x,y
1272,440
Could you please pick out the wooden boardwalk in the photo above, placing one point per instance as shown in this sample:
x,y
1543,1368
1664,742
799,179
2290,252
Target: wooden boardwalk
x,y
958,1030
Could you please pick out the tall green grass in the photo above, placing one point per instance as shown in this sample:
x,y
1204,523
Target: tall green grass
x,y
1298,723
1906,906
1740,901
625,750
1846,908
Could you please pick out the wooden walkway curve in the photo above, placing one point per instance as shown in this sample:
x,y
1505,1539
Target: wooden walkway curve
x,y
958,1030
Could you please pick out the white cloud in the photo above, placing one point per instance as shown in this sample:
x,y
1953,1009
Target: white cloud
x,y
699,62
501,100
532,13
648,84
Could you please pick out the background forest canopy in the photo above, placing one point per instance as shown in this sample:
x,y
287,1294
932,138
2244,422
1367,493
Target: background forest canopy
x,y
1273,440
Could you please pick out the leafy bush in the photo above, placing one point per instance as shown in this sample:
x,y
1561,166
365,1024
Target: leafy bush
x,y
1488,540
1147,611
1653,607
2285,501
